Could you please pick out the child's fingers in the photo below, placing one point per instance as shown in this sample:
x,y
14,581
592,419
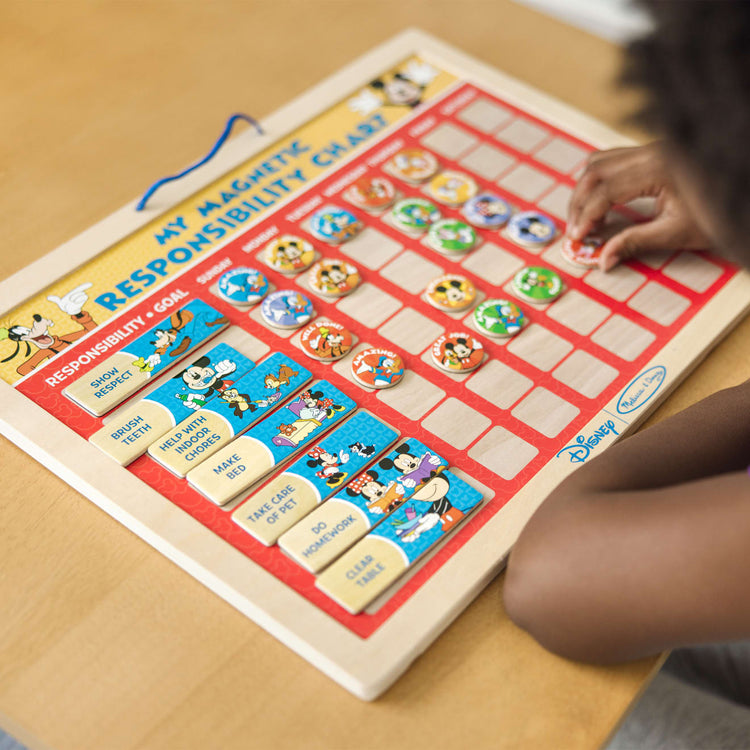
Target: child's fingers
x,y
659,234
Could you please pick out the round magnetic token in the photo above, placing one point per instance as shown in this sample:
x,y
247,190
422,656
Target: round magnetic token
x,y
242,286
415,214
451,293
457,351
333,277
334,224
451,236
289,254
325,340
378,368
371,193
531,228
499,317
487,211
287,308
583,253
452,188
537,284
413,165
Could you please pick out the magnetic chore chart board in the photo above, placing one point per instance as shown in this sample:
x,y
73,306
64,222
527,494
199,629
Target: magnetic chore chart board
x,y
430,480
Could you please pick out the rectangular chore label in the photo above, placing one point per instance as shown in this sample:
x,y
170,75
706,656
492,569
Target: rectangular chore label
x,y
314,477
360,575
122,374
129,434
248,458
235,410
346,517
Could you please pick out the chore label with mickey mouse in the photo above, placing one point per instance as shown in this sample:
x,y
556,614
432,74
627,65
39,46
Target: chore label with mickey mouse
x,y
364,572
122,374
237,466
361,505
129,434
314,477
235,410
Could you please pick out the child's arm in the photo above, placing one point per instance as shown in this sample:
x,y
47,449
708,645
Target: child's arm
x,y
646,547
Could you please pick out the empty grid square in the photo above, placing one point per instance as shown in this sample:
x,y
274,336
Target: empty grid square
x,y
693,271
499,384
411,271
410,330
456,423
556,201
449,140
578,312
539,347
659,303
585,373
487,161
655,260
492,263
523,135
503,453
369,305
484,115
624,338
561,154
413,397
371,248
526,182
619,283
545,412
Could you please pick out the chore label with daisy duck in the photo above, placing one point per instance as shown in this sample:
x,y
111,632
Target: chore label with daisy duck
x,y
364,572
314,477
122,374
248,458
236,409
361,505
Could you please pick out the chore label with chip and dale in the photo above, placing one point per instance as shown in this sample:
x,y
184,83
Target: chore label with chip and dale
x,y
237,466
365,501
236,409
314,477
373,564
129,433
123,373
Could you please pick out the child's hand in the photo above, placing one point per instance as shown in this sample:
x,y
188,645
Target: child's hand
x,y
621,175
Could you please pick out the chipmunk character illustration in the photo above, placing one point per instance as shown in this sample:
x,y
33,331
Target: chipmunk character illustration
x,y
284,376
205,380
438,511
240,401
37,342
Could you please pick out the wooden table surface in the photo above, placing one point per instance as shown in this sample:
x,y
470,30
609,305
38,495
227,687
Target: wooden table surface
x,y
104,643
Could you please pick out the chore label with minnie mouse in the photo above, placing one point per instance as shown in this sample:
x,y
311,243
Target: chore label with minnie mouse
x,y
314,477
237,466
344,519
122,374
363,573
235,410
129,434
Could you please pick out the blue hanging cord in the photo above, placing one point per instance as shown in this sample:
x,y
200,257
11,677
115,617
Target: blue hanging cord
x,y
210,155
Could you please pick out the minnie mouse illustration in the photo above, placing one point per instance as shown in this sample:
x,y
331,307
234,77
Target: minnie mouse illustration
x,y
381,498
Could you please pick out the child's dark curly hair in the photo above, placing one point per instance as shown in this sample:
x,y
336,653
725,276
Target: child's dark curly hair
x,y
695,69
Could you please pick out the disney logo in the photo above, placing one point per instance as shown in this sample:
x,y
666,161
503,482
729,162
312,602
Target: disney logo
x,y
579,450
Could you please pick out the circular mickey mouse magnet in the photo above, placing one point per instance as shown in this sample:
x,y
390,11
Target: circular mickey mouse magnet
x,y
451,293
457,351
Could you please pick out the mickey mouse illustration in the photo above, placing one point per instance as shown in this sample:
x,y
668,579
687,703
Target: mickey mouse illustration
x,y
414,469
460,352
291,251
440,510
381,498
205,380
38,334
454,291
336,276
404,88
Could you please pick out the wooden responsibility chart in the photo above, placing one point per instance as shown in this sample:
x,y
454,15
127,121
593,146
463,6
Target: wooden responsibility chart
x,y
585,370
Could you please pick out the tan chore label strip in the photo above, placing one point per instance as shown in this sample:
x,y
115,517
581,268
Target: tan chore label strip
x,y
122,374
129,434
364,572
237,466
315,476
237,408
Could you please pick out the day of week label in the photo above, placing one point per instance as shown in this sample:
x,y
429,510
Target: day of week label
x,y
235,410
237,466
314,477
129,434
122,374
362,504
360,575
